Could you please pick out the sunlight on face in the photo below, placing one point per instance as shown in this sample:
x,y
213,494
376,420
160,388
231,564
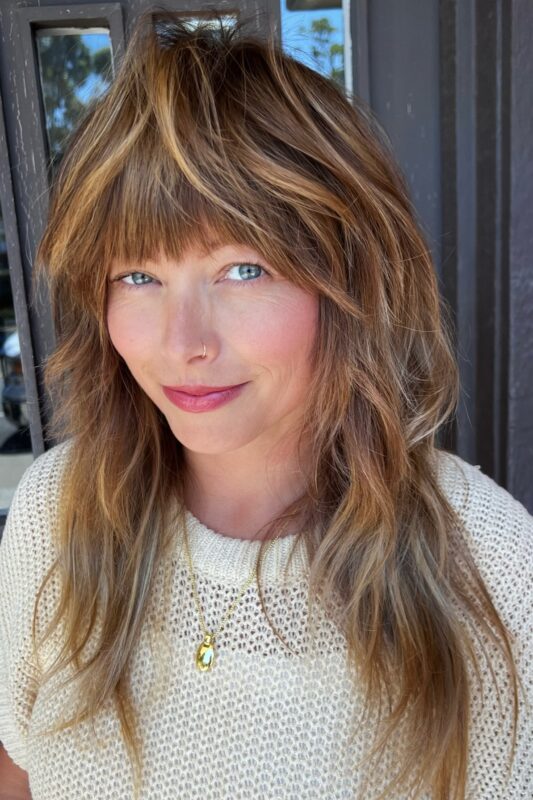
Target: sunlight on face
x,y
258,329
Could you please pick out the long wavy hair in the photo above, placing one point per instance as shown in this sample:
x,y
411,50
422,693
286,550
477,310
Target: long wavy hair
x,y
215,131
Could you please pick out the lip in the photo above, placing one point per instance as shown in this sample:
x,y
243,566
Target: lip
x,y
202,402
200,389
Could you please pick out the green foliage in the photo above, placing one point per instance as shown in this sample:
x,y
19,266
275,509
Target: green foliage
x,y
66,65
329,56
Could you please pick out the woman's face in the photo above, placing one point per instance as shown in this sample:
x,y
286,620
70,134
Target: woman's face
x,y
258,329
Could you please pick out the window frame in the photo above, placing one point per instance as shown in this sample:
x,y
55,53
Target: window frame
x,y
24,184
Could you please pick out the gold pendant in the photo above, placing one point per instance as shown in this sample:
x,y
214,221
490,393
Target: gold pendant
x,y
205,655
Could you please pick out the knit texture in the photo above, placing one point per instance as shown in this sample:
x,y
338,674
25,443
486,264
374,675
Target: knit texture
x,y
270,720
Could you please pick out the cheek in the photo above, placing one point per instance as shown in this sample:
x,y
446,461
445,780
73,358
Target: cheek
x,y
116,328
282,333
127,335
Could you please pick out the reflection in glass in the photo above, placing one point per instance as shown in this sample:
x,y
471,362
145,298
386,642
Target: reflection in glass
x,y
15,442
192,22
75,66
313,32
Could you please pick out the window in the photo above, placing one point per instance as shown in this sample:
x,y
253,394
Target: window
x,y
317,33
75,65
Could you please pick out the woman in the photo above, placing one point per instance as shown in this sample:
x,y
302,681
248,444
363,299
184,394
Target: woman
x,y
283,588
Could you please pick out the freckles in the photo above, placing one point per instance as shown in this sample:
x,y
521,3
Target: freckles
x,y
111,326
301,314
286,328
123,327
114,325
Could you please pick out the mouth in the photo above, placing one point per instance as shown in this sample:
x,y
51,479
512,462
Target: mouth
x,y
207,401
200,390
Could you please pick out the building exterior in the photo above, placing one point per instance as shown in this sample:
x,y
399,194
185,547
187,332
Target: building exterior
x,y
450,81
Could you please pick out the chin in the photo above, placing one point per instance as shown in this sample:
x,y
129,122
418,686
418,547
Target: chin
x,y
208,441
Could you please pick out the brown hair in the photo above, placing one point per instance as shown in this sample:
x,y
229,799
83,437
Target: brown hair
x,y
214,131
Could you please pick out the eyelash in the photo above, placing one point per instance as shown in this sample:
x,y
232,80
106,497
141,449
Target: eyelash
x,y
237,264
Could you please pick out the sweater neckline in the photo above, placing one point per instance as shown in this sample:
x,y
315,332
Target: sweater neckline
x,y
231,560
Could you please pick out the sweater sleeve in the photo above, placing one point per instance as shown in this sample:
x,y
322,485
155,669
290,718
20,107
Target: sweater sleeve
x,y
500,533
26,554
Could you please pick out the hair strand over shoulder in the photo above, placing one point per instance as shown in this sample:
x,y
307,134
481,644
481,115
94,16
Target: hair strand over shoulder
x,y
257,148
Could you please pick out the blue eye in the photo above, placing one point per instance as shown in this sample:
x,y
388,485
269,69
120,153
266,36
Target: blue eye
x,y
248,272
245,273
132,275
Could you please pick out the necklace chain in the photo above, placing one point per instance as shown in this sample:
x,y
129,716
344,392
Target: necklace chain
x,y
205,654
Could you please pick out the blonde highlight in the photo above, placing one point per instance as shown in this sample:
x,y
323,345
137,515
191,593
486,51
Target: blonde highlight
x,y
255,147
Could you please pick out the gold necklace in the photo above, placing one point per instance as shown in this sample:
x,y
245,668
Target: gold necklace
x,y
205,654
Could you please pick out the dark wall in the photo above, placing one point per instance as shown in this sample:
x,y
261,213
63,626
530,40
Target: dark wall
x,y
403,91
451,80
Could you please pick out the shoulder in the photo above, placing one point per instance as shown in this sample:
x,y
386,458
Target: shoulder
x,y
42,478
44,474
26,554
26,547
498,528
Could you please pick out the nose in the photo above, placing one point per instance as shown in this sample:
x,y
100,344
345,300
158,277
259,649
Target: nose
x,y
186,326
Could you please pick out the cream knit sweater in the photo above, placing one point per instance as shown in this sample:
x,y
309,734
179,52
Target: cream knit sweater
x,y
266,722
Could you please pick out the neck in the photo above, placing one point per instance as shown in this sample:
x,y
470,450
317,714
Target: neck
x,y
237,495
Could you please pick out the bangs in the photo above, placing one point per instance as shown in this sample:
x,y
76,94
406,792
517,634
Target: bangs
x,y
149,220
200,169
197,145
